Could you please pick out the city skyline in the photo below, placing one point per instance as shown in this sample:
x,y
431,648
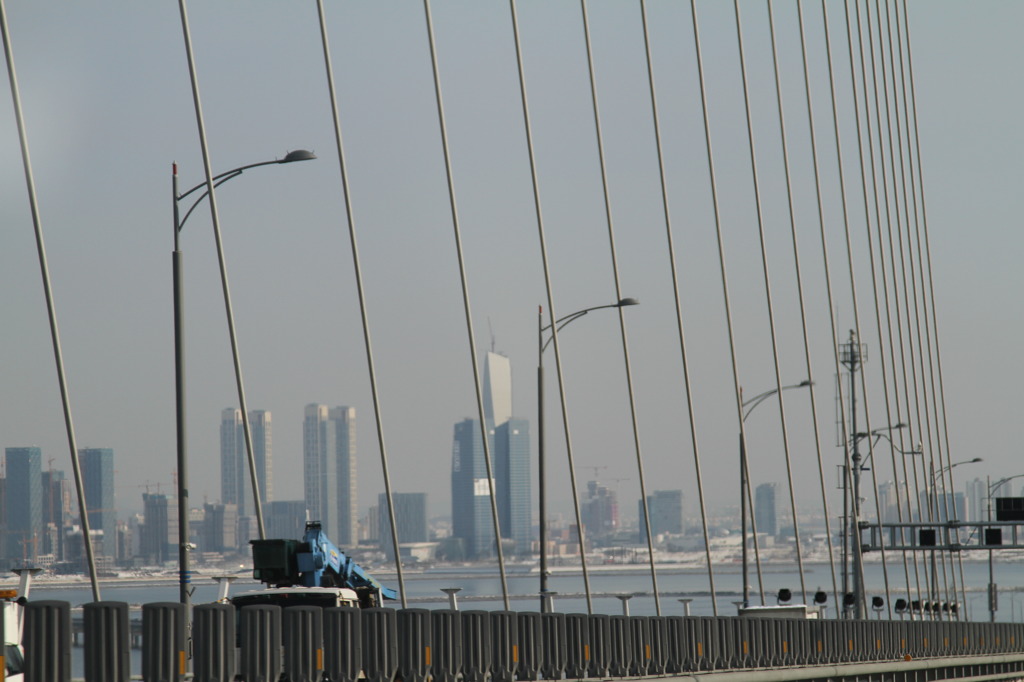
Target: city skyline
x,y
296,308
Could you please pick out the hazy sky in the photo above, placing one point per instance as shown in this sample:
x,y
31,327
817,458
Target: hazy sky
x,y
108,106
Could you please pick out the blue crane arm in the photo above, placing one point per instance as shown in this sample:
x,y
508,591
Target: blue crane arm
x,y
326,555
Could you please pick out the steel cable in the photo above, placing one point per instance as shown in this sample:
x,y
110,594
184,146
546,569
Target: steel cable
x,y
622,317
678,310
465,303
357,270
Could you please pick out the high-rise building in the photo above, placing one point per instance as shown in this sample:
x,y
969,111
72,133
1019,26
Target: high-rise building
x,y
765,508
56,512
512,477
509,445
235,484
98,480
329,470
887,502
977,502
471,489
600,511
666,511
24,502
286,519
220,525
410,517
159,529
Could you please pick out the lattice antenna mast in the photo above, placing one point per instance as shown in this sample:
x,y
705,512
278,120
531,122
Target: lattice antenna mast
x,y
852,355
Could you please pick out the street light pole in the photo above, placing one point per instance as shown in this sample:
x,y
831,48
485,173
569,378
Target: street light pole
x,y
541,479
745,483
184,570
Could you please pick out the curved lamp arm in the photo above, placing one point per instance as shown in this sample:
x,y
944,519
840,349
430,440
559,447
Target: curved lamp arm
x,y
221,178
761,397
563,321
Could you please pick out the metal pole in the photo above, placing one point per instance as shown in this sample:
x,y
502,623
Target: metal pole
x,y
858,568
993,595
743,519
184,572
846,535
541,489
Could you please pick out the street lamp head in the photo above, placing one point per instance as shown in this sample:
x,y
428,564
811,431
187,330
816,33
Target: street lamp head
x,y
298,155
805,382
976,460
623,302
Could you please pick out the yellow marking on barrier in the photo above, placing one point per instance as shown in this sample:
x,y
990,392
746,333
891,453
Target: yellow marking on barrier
x,y
647,651
903,643
700,649
319,659
878,644
965,641
981,641
426,655
181,662
515,653
925,642
746,647
945,641
849,643
820,647
785,647
586,652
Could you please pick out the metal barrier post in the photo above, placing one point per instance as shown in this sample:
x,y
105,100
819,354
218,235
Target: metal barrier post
x,y
47,640
163,642
213,628
303,639
260,630
107,641
343,643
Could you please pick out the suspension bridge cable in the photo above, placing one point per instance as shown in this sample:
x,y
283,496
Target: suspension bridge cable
x,y
44,269
877,304
906,382
902,448
215,216
925,358
718,232
679,310
934,448
824,243
768,297
357,269
800,292
867,169
896,150
535,183
918,225
856,316
465,302
932,509
622,315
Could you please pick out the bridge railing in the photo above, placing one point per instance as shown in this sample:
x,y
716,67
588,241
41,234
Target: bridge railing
x,y
415,645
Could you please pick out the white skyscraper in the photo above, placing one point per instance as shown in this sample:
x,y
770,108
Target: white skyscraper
x,y
329,470
235,485
497,389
